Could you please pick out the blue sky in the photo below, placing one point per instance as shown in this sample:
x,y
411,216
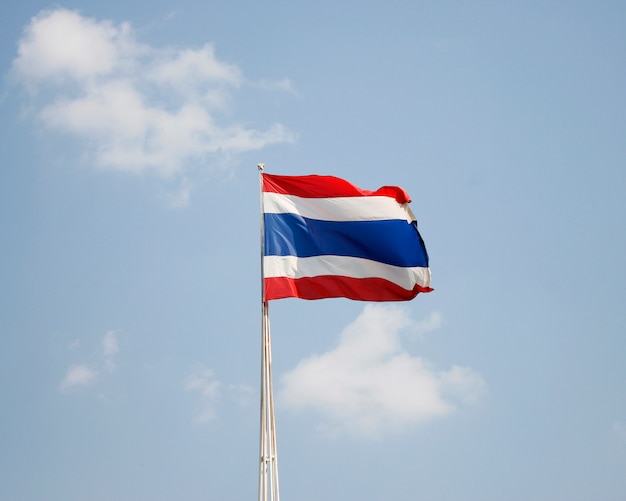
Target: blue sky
x,y
130,270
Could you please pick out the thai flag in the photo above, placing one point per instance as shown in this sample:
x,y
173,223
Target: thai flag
x,y
325,237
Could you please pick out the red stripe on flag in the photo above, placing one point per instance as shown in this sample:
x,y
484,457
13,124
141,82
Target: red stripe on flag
x,y
315,186
327,286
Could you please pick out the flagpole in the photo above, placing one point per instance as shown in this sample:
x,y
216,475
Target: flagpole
x,y
268,467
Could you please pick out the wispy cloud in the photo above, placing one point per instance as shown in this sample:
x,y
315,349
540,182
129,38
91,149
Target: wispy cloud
x,y
369,385
211,392
74,345
619,429
243,394
180,198
203,382
77,377
82,375
432,323
110,347
142,109
283,85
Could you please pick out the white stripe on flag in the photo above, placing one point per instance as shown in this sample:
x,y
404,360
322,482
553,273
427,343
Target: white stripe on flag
x,y
300,267
375,208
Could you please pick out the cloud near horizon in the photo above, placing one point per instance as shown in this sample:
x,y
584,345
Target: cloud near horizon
x,y
95,81
369,385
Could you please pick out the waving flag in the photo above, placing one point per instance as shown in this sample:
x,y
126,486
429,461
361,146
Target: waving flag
x,y
325,237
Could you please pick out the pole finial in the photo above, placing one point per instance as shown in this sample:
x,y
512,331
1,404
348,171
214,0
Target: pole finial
x,y
261,167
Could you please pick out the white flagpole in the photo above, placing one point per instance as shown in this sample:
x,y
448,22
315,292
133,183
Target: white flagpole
x,y
268,471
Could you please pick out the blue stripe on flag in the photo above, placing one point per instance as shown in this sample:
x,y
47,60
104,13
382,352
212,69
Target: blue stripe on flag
x,y
394,242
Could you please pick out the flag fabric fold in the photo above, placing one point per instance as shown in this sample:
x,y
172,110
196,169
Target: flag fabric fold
x,y
325,238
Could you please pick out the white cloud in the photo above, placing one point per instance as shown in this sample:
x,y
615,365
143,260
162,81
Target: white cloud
x,y
110,348
211,391
432,323
243,394
78,376
180,198
61,44
619,429
192,69
110,344
83,375
369,385
202,381
283,85
139,108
